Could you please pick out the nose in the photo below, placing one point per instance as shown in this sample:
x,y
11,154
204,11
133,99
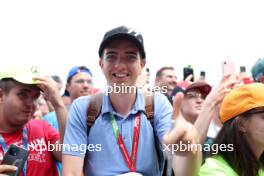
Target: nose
x,y
199,99
87,84
174,79
119,63
31,103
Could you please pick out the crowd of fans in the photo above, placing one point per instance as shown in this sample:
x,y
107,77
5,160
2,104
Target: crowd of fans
x,y
168,127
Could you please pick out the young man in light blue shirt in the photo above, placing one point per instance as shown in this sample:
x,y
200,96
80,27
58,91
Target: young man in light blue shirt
x,y
121,140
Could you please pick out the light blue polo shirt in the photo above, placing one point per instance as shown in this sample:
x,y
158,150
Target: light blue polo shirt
x,y
104,155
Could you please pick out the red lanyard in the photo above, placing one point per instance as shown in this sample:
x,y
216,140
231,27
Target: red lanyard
x,y
130,161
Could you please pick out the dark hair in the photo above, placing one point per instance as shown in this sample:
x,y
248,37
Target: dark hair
x,y
241,159
159,72
56,78
7,84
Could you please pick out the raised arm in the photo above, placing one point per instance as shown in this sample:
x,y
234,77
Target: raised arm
x,y
211,106
48,86
185,162
188,162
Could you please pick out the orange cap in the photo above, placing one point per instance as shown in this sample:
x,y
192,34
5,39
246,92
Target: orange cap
x,y
242,99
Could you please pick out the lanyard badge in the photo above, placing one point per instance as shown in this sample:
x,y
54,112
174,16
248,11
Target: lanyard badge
x,y
130,160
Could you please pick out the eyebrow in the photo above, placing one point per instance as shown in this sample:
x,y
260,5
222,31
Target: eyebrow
x,y
131,52
127,52
111,52
25,90
30,91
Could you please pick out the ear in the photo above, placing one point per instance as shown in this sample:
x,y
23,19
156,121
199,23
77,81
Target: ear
x,y
101,63
242,124
142,63
67,86
1,94
157,80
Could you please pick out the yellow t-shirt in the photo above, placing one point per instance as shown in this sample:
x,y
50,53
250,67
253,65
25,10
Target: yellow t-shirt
x,y
217,166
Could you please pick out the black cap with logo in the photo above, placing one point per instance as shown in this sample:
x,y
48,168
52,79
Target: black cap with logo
x,y
123,32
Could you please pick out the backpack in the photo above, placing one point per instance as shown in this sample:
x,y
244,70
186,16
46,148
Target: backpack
x,y
94,110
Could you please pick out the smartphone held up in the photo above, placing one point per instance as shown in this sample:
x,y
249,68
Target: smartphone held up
x,y
228,68
15,156
187,71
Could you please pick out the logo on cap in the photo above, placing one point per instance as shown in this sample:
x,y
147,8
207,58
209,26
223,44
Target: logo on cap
x,y
34,70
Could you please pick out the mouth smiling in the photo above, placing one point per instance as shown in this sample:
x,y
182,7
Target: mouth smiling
x,y
120,75
84,92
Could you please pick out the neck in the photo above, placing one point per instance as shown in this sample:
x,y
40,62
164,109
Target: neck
x,y
122,103
6,127
9,128
169,92
190,119
257,150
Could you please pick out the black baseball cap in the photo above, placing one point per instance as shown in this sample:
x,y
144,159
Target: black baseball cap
x,y
123,32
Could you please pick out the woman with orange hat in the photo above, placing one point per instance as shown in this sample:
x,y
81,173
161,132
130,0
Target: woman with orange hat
x,y
242,114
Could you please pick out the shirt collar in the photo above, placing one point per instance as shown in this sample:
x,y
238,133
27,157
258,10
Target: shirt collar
x,y
139,104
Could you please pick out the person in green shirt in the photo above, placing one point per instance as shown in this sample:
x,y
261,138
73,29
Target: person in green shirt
x,y
241,139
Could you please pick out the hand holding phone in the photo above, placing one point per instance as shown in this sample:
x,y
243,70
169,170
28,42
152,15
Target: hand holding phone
x,y
7,168
15,156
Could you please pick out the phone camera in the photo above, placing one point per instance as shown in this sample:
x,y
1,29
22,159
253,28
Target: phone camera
x,y
147,70
14,152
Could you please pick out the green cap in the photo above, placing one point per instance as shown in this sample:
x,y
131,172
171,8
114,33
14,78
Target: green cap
x,y
21,73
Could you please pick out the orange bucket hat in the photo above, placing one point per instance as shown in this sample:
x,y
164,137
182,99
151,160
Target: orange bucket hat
x,y
242,99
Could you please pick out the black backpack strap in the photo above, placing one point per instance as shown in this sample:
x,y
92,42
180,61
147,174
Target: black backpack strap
x,y
94,109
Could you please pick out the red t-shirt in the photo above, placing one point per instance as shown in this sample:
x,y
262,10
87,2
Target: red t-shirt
x,y
40,161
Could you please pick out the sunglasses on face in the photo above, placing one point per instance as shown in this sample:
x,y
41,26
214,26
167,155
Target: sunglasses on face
x,y
195,95
82,81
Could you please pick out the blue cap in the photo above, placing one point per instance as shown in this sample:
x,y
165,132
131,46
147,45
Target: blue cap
x,y
78,69
74,71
